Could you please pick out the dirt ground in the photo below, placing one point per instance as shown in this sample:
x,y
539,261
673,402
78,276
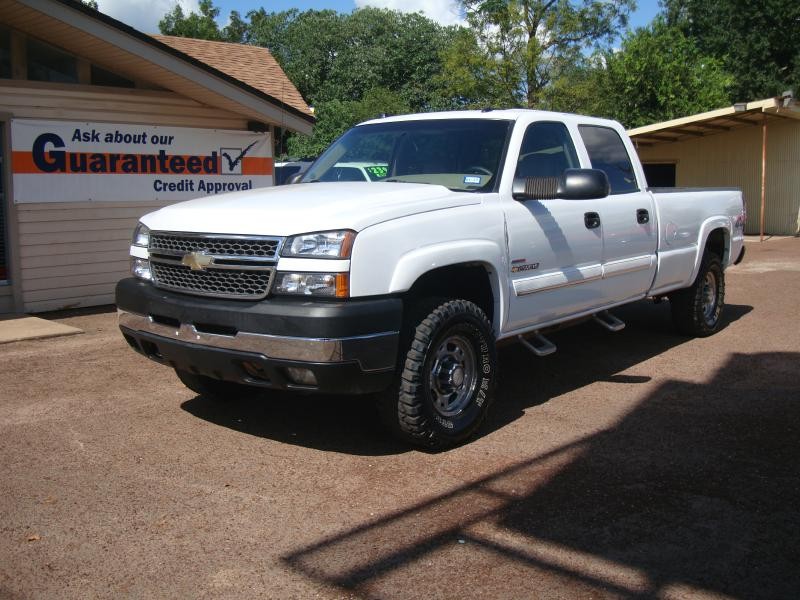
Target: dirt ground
x,y
638,464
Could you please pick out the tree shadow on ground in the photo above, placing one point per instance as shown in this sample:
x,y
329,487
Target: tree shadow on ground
x,y
694,491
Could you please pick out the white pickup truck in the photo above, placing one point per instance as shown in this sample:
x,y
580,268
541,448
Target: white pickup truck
x,y
475,227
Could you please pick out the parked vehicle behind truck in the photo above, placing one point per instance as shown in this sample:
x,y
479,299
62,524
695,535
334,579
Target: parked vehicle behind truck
x,y
476,227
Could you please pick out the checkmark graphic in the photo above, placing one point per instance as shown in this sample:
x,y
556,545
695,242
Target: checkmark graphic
x,y
232,162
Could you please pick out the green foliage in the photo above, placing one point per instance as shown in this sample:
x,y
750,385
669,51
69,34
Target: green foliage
x,y
758,41
333,56
522,45
334,117
201,26
659,74
90,3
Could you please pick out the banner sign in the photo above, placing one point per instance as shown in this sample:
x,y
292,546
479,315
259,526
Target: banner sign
x,y
63,161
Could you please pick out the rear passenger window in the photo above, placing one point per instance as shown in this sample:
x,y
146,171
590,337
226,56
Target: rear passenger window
x,y
608,153
546,151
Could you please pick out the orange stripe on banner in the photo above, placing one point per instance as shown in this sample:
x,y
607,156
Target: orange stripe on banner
x,y
256,165
22,162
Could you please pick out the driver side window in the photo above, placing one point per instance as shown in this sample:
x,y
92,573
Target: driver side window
x,y
547,151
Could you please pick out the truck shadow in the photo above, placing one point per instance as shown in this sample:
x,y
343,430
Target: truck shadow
x,y
587,353
694,493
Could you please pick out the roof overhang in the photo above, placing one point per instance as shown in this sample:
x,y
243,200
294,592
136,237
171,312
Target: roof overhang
x,y
715,121
116,46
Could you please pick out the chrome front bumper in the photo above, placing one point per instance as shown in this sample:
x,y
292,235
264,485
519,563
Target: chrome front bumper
x,y
374,352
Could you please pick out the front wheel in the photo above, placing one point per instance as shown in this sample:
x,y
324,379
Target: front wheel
x,y
696,310
447,381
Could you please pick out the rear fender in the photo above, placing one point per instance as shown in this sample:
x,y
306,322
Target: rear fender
x,y
708,226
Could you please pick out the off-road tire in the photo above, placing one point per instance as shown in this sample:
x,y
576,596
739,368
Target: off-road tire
x,y
450,356
696,310
215,389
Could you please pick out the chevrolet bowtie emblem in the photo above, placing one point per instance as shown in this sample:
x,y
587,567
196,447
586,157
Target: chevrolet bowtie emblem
x,y
197,261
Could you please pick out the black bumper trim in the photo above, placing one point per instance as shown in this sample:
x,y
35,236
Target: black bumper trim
x,y
256,369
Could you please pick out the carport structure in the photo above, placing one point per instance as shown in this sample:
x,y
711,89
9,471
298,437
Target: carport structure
x,y
754,146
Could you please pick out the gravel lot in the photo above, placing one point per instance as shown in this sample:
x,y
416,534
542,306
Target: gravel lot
x,y
636,464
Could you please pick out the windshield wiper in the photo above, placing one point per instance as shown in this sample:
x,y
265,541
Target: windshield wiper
x,y
394,180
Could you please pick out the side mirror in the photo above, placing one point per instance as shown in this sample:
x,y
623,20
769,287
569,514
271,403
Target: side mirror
x,y
574,184
294,178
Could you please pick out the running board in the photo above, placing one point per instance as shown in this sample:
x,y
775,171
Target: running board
x,y
609,321
542,346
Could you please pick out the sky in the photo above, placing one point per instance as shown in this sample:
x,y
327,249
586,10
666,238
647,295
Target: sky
x,y
144,15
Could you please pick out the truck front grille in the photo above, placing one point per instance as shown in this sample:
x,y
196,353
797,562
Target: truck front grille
x,y
237,267
223,283
222,246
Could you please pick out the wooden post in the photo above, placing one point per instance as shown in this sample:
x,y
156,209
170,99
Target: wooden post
x,y
763,173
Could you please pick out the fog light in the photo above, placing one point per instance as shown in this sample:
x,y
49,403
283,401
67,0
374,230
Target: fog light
x,y
140,267
301,376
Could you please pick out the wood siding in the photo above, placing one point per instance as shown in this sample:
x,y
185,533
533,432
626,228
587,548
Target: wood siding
x,y
734,159
72,254
36,100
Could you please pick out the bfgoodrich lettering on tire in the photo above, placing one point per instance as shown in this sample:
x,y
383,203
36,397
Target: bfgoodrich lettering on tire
x,y
447,381
696,310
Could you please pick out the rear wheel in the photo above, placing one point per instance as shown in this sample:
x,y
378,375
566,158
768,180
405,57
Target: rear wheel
x,y
447,381
696,310
215,389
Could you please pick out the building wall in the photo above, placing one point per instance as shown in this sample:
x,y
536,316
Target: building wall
x,y
733,158
68,255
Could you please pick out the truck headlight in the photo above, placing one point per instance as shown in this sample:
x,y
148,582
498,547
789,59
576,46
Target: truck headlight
x,y
141,236
330,285
323,244
140,267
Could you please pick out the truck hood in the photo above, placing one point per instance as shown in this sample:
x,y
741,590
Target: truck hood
x,y
301,208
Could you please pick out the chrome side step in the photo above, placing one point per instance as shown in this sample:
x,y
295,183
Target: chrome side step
x,y
541,346
609,321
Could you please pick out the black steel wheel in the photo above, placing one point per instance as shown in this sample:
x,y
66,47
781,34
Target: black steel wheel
x,y
447,381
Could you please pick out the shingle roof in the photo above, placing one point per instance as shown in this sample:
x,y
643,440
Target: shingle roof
x,y
252,65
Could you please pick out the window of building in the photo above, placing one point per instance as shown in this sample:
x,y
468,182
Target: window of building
x,y
48,63
608,153
102,77
5,54
660,174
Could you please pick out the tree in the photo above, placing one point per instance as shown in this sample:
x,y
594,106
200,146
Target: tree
x,y
658,74
758,41
524,43
202,26
333,56
337,116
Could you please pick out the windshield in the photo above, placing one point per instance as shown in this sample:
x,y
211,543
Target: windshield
x,y
461,154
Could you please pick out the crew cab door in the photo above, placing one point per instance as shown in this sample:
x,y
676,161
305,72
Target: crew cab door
x,y
627,218
555,246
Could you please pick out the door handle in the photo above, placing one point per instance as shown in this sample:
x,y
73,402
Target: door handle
x,y
642,216
591,220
